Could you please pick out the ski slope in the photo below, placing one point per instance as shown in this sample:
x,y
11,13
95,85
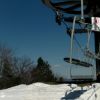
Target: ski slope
x,y
41,91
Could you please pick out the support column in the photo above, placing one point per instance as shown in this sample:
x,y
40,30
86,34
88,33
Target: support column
x,y
97,42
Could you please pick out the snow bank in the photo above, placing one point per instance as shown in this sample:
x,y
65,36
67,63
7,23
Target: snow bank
x,y
41,91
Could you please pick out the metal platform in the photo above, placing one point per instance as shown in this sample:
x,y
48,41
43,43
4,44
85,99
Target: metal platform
x,y
78,62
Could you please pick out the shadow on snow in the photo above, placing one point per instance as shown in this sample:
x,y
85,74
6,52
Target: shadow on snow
x,y
73,95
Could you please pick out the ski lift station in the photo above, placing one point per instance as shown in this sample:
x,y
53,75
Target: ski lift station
x,y
80,17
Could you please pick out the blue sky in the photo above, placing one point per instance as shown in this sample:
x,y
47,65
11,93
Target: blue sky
x,y
28,27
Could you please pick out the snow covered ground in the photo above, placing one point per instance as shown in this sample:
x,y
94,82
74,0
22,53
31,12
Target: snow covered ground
x,y
41,91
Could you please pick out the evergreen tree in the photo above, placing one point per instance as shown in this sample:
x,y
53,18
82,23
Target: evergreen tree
x,y
43,72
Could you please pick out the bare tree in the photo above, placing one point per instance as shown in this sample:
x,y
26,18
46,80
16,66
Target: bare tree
x,y
14,70
22,68
6,57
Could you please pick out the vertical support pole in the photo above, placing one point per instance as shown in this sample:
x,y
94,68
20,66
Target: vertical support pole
x,y
72,36
82,9
97,42
88,38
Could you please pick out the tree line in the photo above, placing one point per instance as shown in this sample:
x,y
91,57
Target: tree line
x,y
22,70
